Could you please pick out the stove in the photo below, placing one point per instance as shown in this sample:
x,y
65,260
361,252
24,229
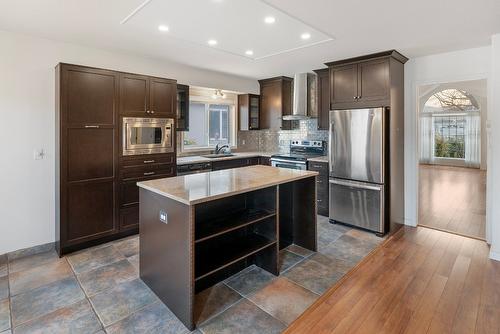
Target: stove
x,y
300,151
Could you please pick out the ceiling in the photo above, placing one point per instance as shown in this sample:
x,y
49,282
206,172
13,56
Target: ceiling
x,y
338,29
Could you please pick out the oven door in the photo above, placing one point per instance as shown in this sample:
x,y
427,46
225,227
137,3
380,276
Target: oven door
x,y
147,135
283,163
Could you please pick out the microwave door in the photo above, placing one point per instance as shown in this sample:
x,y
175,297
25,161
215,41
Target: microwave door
x,y
357,144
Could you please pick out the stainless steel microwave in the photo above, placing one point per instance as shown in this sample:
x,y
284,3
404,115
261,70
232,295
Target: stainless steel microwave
x,y
147,135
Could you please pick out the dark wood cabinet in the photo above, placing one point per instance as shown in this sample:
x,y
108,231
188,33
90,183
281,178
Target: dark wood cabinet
x,y
323,98
275,102
145,96
234,163
265,161
86,160
343,84
249,112
182,108
362,81
162,97
96,192
322,193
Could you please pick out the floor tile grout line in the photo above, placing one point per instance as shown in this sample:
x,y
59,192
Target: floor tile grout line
x,y
223,310
85,294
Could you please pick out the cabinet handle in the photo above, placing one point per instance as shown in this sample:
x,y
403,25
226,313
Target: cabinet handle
x,y
319,200
147,111
149,173
152,111
91,126
317,166
318,181
355,97
149,161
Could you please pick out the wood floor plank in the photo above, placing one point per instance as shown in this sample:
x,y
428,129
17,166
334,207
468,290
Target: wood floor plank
x,y
423,281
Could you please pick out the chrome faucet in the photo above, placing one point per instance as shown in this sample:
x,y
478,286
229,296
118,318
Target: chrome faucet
x,y
218,149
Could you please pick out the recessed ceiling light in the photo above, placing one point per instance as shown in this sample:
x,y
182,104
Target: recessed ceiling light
x,y
269,19
249,52
163,27
305,35
212,42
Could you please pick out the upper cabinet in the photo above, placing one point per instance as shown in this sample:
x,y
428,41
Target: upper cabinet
x,y
147,96
275,102
363,81
249,111
182,108
323,98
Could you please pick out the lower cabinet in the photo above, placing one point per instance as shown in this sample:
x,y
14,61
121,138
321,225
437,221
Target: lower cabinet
x,y
134,170
322,194
234,163
265,161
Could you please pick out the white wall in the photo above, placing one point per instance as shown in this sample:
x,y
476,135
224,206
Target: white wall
x,y
494,156
470,64
27,123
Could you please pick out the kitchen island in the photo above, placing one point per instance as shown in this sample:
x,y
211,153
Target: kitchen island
x,y
197,230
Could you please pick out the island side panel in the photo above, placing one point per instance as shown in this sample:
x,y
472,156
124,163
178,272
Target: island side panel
x,y
166,253
304,213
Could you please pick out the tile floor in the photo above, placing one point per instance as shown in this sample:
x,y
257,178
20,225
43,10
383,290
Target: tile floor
x,y
98,290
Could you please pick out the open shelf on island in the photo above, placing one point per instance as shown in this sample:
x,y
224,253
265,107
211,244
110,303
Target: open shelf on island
x,y
235,220
213,256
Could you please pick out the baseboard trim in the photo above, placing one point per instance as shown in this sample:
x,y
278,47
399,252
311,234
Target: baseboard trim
x,y
495,255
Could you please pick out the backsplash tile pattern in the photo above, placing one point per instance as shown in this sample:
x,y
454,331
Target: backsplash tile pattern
x,y
279,140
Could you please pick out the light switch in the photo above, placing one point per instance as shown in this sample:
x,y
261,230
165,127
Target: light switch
x,y
39,154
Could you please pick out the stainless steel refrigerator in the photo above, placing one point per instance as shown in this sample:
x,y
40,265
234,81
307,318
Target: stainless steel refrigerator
x,y
357,156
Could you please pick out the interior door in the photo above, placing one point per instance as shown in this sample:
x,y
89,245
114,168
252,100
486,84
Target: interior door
x,y
357,144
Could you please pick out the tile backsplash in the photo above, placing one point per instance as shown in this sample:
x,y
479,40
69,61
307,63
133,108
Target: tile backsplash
x,y
279,140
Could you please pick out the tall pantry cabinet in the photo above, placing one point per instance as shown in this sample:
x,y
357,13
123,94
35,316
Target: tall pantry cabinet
x,y
88,158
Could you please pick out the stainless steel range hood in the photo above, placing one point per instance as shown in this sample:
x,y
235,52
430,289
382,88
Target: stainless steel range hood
x,y
304,88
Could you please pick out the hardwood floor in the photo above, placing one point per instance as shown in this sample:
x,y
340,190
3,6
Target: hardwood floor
x,y
419,281
453,199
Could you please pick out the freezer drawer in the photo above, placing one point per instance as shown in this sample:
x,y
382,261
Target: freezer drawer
x,y
357,203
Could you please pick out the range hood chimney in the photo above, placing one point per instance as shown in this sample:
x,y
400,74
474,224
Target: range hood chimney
x,y
303,88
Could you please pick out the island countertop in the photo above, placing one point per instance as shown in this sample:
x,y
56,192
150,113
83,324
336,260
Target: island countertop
x,y
198,188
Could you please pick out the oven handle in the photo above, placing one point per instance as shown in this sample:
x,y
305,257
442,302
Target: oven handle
x,y
288,161
355,184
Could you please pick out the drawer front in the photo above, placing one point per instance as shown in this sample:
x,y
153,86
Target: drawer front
x,y
157,171
320,167
148,160
234,163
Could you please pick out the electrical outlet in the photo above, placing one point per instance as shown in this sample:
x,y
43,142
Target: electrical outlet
x,y
39,154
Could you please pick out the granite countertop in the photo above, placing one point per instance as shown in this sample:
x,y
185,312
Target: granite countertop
x,y
198,188
237,155
319,159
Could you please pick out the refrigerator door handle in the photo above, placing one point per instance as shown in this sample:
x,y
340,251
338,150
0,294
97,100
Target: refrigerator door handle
x,y
330,146
355,184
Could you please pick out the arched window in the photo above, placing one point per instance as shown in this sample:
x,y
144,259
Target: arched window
x,y
451,100
450,128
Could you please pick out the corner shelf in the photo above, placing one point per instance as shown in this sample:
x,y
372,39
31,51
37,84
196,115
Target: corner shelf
x,y
212,228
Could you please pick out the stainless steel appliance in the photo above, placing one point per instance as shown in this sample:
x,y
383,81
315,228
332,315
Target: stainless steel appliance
x,y
195,168
300,151
147,135
357,141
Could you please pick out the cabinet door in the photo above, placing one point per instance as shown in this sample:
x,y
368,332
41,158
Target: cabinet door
x,y
244,111
343,84
162,95
254,112
323,99
88,160
134,96
182,108
373,80
270,105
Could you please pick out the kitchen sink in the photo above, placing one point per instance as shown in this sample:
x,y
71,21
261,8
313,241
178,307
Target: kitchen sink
x,y
220,155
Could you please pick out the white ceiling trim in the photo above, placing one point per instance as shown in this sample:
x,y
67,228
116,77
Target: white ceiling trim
x,y
135,11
